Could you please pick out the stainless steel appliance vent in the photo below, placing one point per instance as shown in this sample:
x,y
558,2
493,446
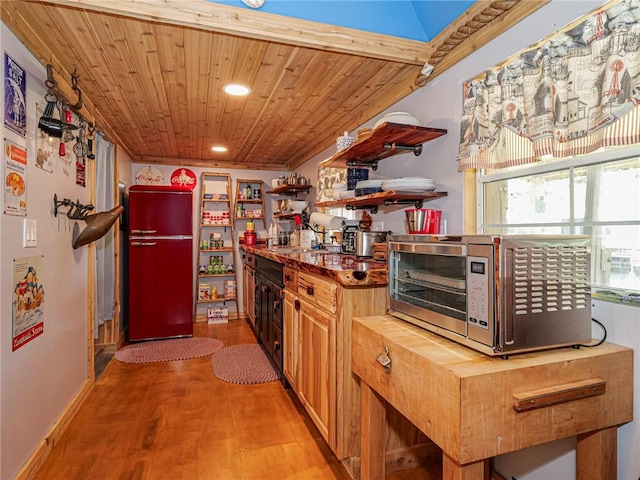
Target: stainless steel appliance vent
x,y
550,278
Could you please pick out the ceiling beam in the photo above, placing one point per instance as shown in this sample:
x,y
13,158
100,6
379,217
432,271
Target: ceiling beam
x,y
209,163
216,17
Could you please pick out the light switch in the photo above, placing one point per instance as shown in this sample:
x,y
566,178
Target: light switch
x,y
29,232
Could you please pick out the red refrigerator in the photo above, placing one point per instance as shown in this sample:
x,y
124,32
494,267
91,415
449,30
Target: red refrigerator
x,y
160,262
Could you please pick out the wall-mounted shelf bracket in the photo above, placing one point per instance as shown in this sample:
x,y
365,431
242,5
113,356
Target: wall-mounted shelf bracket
x,y
77,211
373,164
417,203
372,208
417,149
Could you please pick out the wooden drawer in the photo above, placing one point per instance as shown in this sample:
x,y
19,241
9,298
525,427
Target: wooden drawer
x,y
319,292
290,277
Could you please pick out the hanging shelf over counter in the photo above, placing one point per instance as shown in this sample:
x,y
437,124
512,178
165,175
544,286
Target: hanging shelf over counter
x,y
373,200
387,140
287,189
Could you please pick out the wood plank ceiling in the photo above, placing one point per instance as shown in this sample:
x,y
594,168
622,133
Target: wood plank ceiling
x,y
152,71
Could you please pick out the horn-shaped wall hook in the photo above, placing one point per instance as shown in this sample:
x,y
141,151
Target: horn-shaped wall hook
x,y
98,225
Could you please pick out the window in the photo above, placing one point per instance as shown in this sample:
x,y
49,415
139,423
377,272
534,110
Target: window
x,y
596,194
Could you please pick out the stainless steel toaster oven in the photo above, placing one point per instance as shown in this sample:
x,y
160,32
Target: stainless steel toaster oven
x,y
497,294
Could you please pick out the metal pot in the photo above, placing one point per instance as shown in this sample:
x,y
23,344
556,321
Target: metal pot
x,y
365,241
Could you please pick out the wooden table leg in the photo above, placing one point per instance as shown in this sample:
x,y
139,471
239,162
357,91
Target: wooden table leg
x,y
373,434
452,470
596,454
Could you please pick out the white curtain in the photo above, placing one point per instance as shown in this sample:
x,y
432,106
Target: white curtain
x,y
105,260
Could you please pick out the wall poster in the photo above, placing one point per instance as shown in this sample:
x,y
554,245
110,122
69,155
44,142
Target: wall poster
x,y
15,93
15,179
28,300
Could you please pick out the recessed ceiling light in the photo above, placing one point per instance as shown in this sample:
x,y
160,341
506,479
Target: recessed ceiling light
x,y
236,89
219,149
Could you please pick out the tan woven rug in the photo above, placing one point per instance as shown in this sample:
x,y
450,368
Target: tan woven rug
x,y
243,364
168,350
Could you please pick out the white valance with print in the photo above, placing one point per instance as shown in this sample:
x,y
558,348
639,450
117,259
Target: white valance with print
x,y
569,95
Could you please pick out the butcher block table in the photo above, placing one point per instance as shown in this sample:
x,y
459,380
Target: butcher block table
x,y
475,407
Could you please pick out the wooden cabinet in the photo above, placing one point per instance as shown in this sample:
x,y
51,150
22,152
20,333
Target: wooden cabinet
x,y
318,314
318,291
317,368
292,338
249,292
310,346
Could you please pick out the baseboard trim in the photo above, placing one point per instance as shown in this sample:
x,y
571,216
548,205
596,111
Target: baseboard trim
x,y
48,443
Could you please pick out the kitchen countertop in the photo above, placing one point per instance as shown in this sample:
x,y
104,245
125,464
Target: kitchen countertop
x,y
347,270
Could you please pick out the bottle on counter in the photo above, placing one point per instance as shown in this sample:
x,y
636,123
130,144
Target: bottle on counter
x,y
294,238
273,234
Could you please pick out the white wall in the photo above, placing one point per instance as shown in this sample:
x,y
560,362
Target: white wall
x,y
40,379
439,104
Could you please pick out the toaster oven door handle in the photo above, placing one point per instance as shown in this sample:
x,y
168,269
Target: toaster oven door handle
x,y
456,250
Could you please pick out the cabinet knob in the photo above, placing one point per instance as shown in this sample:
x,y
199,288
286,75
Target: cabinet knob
x,y
296,304
276,306
276,345
310,290
287,278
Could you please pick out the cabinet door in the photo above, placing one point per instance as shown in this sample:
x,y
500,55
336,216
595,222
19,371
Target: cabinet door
x,y
263,294
317,369
292,338
248,293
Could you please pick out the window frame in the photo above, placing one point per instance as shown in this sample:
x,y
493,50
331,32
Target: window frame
x,y
482,177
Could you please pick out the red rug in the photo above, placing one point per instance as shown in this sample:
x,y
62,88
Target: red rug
x,y
243,364
168,350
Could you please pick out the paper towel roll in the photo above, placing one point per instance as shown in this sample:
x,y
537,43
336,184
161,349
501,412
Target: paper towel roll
x,y
328,221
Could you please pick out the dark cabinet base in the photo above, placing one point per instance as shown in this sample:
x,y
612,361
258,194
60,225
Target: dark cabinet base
x,y
269,304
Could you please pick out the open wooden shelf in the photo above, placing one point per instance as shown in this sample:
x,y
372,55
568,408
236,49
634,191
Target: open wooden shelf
x,y
232,274
383,198
387,140
241,184
289,189
219,300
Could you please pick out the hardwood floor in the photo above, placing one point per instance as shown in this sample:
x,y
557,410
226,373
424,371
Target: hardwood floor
x,y
177,421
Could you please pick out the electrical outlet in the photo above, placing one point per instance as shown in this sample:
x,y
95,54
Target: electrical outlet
x,y
29,233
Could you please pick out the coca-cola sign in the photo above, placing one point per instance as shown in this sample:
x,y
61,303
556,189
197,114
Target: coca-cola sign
x,y
149,176
183,177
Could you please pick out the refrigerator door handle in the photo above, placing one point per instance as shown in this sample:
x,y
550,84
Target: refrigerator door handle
x,y
143,244
142,232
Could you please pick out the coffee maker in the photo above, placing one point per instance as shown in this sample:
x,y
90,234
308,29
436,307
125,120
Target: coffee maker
x,y
349,229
